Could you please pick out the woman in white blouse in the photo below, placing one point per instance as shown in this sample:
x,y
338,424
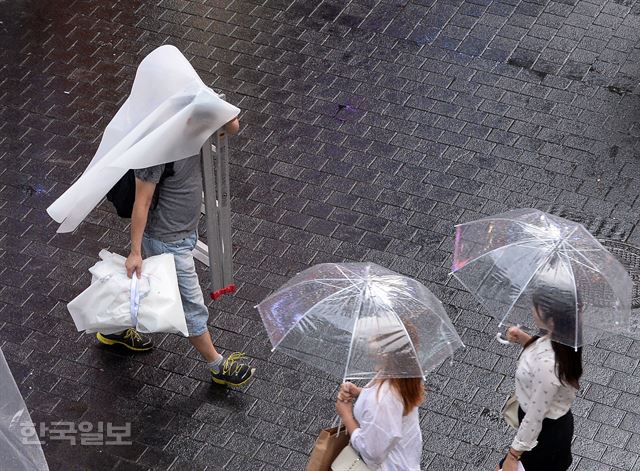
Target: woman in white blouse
x,y
547,379
384,422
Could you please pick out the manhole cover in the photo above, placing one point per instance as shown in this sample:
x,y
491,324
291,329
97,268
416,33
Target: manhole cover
x,y
629,256
601,227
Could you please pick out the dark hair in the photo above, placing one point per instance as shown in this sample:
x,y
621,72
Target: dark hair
x,y
568,363
563,307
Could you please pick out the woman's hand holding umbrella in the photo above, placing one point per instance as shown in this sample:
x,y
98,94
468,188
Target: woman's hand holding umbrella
x,y
516,335
344,405
344,409
348,392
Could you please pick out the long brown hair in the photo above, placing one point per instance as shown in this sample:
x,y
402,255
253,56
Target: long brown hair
x,y
410,390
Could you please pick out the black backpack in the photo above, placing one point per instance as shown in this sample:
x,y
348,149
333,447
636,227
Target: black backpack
x,y
123,193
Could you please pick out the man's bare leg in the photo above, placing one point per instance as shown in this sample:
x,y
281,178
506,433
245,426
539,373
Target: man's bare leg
x,y
229,373
205,347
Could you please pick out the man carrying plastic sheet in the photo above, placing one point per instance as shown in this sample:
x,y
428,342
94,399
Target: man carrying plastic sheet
x,y
167,117
171,227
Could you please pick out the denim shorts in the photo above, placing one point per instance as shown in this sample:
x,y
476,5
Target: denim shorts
x,y
195,311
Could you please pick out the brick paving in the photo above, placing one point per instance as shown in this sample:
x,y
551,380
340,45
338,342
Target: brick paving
x,y
369,129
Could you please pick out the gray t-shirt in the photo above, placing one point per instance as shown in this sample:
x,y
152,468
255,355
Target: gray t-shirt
x,y
179,201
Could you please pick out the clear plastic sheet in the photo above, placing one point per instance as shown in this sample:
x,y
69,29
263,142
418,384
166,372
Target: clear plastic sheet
x,y
513,261
107,306
358,321
16,453
167,117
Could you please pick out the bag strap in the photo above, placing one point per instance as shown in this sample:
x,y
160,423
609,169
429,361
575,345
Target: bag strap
x,y
168,171
337,422
134,299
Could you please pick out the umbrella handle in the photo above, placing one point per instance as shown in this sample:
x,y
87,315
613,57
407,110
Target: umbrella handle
x,y
134,300
502,340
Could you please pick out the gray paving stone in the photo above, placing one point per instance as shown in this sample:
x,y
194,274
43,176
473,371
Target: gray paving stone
x,y
369,129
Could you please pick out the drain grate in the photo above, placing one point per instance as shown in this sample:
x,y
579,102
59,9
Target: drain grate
x,y
601,227
629,256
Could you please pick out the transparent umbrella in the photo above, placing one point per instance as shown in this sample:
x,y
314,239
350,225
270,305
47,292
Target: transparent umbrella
x,y
359,321
513,260
20,446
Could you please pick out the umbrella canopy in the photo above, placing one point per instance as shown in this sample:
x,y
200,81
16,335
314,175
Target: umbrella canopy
x,y
522,258
359,321
20,446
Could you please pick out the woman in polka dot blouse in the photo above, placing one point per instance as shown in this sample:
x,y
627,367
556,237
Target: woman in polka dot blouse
x,y
547,379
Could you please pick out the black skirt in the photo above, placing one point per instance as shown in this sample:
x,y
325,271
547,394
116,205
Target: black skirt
x,y
553,451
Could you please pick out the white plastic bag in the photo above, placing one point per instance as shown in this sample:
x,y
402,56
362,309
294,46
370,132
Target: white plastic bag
x,y
19,444
113,302
167,117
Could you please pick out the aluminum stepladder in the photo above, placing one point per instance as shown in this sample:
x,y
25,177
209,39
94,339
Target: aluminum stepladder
x,y
217,253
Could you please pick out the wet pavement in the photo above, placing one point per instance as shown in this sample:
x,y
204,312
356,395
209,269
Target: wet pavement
x,y
370,128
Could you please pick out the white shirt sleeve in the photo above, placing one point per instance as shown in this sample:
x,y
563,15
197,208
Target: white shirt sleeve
x,y
544,386
380,426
